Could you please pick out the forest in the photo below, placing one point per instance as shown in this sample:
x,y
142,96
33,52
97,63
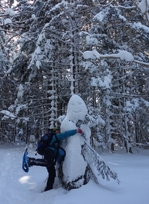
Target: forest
x,y
97,49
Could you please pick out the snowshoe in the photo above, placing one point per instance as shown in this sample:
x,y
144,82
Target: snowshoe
x,y
25,165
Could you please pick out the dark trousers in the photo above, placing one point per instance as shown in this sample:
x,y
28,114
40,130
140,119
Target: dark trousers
x,y
49,163
51,177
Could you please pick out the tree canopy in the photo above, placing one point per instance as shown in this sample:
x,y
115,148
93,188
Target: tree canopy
x,y
99,50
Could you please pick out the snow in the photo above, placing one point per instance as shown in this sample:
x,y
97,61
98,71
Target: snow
x,y
76,110
19,108
105,82
139,25
18,187
91,54
34,17
7,114
143,5
132,105
38,64
122,54
91,40
20,91
101,15
7,21
9,12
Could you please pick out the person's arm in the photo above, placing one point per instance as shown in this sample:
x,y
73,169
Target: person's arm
x,y
66,134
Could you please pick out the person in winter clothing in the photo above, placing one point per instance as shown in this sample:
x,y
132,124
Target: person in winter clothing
x,y
49,159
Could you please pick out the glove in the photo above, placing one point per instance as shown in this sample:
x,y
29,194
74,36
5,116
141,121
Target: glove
x,y
80,131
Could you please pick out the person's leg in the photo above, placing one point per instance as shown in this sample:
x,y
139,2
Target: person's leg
x,y
36,162
51,177
50,158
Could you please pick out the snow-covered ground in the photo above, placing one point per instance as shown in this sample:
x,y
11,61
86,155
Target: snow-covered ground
x,y
18,187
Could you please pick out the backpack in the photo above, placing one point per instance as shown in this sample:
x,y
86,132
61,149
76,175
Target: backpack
x,y
44,142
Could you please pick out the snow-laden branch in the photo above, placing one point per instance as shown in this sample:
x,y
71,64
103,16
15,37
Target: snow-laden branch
x,y
8,114
122,54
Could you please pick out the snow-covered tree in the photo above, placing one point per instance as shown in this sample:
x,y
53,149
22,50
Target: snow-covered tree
x,y
98,49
